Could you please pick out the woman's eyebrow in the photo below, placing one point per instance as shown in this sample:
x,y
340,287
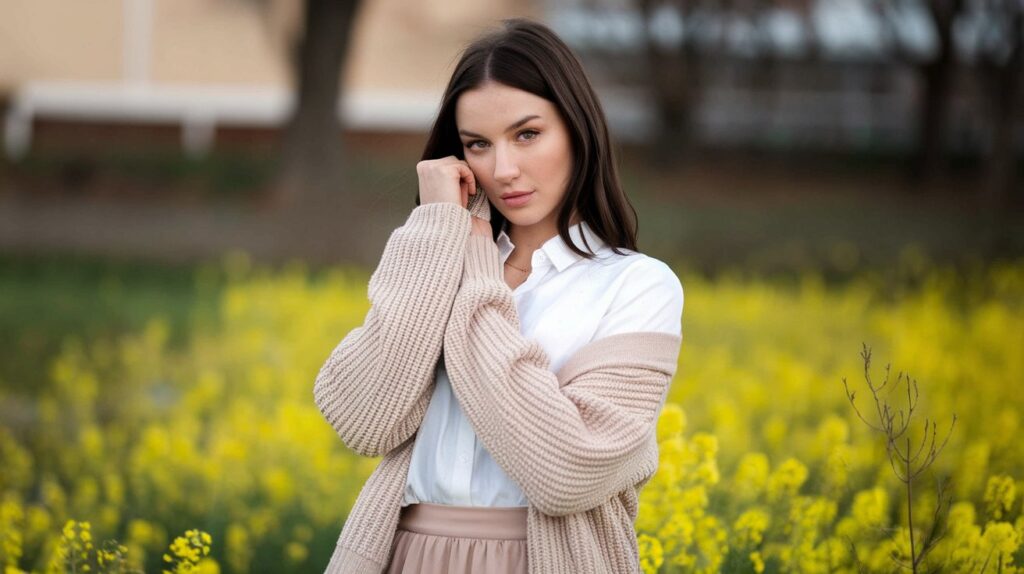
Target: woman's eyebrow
x,y
508,129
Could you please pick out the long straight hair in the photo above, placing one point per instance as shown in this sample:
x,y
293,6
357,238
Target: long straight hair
x,y
529,56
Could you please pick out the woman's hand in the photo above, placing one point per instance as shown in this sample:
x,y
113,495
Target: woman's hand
x,y
447,179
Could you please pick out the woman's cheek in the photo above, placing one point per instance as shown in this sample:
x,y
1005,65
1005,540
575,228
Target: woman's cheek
x,y
478,170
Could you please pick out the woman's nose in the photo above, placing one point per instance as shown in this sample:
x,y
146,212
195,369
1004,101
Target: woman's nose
x,y
505,166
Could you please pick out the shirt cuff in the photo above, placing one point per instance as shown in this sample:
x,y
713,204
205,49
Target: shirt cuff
x,y
483,260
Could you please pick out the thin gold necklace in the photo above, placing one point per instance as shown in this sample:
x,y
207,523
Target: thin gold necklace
x,y
517,268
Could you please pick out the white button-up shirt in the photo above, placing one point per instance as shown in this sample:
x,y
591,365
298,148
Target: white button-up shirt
x,y
565,303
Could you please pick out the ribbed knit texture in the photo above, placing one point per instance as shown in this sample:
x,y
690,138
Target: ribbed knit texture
x,y
373,387
580,442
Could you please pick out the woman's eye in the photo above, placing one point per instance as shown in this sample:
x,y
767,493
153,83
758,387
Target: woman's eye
x,y
534,133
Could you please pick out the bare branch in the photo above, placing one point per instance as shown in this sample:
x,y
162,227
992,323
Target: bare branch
x,y
856,559
906,462
934,535
924,439
850,395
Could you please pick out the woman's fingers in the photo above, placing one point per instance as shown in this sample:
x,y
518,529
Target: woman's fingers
x,y
468,177
467,182
445,179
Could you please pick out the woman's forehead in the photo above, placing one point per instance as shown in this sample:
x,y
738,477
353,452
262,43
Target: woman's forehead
x,y
496,106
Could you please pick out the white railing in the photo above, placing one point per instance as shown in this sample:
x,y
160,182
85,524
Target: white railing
x,y
197,109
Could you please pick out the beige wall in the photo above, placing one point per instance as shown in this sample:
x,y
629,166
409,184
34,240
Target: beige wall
x,y
216,41
59,39
399,44
414,44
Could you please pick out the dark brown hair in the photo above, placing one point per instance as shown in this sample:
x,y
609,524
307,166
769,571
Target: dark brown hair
x,y
529,56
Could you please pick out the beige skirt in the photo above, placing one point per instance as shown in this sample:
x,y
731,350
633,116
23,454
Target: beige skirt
x,y
459,539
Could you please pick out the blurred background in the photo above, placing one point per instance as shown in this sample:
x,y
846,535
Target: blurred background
x,y
193,194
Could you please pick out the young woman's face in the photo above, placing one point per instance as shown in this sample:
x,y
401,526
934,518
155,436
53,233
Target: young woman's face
x,y
516,142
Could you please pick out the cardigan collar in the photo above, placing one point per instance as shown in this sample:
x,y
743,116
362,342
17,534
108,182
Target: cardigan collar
x,y
557,251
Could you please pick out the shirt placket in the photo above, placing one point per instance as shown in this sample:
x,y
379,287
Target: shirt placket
x,y
462,475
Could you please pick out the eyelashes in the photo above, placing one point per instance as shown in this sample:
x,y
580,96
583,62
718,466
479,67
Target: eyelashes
x,y
535,133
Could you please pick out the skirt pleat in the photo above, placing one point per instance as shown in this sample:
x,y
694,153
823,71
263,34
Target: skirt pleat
x,y
459,540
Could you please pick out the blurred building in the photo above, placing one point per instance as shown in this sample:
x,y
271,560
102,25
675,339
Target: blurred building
x,y
803,73
810,73
200,64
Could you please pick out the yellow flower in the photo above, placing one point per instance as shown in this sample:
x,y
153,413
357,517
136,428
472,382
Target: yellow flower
x,y
1002,538
749,528
208,566
871,508
651,555
751,475
671,422
786,480
238,547
677,533
11,523
1000,492
296,551
757,561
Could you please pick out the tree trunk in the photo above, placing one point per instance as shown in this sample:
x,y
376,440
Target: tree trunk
x,y
936,75
1003,81
673,80
311,163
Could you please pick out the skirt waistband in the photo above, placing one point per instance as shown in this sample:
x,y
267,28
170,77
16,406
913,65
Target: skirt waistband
x,y
500,522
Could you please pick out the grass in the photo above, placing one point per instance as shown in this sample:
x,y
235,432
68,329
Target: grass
x,y
47,299
222,175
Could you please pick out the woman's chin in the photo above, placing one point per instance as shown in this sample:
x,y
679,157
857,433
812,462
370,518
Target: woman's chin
x,y
521,218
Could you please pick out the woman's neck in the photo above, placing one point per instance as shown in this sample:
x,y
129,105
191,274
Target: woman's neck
x,y
528,239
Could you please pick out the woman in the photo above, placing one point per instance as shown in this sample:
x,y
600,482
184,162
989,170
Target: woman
x,y
518,348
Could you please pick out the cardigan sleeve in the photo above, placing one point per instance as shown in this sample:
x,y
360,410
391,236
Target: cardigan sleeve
x,y
573,439
373,386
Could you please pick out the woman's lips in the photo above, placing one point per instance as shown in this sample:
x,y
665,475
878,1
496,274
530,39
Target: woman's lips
x,y
518,200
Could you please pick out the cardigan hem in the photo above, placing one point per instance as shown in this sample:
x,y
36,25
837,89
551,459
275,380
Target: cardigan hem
x,y
346,561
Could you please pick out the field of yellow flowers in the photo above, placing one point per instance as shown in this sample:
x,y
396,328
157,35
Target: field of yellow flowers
x,y
212,456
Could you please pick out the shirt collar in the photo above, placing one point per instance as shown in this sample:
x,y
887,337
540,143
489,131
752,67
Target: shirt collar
x,y
557,251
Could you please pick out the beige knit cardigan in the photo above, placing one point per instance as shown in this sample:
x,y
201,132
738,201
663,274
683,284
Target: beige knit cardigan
x,y
580,442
